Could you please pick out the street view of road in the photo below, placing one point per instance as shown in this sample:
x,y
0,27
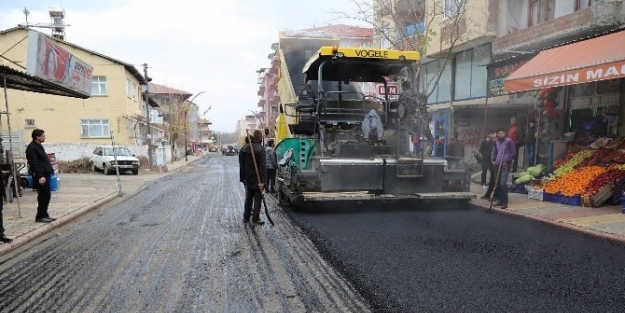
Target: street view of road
x,y
178,246
181,246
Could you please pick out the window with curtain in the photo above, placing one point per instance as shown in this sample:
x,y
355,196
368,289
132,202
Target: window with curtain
x,y
541,11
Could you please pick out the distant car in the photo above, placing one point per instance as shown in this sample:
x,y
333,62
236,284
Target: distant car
x,y
103,158
230,151
213,149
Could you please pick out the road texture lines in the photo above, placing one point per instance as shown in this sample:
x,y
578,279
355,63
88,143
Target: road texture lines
x,y
178,246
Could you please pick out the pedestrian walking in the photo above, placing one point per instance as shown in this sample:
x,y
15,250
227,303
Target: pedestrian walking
x,y
254,186
486,151
502,161
41,169
3,237
272,165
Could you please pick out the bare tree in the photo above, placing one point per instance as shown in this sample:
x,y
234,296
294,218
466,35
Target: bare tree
x,y
434,28
417,25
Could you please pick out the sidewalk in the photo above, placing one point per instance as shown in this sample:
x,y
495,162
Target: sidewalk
x,y
605,222
77,195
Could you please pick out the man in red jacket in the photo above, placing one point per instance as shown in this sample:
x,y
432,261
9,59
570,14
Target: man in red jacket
x,y
515,133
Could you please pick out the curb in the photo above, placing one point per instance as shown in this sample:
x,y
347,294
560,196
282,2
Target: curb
x,y
36,233
589,232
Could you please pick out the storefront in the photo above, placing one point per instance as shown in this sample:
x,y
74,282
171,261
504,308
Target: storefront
x,y
578,94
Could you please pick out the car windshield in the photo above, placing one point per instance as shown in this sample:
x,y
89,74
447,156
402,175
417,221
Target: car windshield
x,y
120,151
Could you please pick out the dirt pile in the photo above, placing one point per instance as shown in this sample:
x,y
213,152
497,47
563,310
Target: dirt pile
x,y
82,165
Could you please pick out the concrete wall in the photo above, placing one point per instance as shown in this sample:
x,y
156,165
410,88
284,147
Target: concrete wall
x,y
70,152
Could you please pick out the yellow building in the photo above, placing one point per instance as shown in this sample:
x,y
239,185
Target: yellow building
x,y
115,105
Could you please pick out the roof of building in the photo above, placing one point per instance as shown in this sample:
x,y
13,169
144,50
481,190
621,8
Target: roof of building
x,y
129,67
342,30
204,121
160,89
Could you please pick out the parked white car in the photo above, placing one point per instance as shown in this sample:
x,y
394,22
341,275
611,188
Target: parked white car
x,y
103,159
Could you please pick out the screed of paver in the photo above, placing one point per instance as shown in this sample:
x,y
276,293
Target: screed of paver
x,y
593,220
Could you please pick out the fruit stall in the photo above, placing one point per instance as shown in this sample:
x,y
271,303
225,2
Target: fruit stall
x,y
590,174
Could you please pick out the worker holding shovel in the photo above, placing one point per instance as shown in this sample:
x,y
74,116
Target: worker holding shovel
x,y
502,160
253,173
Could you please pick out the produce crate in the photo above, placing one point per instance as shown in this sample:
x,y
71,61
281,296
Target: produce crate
x,y
519,188
551,197
573,201
598,199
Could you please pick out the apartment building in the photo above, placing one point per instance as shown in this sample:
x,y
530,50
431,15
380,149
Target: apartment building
x,y
74,126
475,45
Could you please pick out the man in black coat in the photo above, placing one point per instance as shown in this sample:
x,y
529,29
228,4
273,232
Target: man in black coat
x,y
41,168
248,175
486,150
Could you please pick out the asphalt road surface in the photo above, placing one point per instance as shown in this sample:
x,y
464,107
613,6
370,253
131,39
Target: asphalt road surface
x,y
180,246
466,260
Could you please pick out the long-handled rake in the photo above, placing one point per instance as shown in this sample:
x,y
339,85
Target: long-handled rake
x,y
262,191
496,187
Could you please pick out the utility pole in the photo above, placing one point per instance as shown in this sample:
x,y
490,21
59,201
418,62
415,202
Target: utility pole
x,y
147,113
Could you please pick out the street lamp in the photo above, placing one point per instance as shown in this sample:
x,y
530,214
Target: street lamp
x,y
186,130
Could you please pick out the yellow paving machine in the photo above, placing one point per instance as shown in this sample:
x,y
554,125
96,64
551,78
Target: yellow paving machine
x,y
338,142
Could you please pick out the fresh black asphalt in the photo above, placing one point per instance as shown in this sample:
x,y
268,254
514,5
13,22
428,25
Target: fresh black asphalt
x,y
459,260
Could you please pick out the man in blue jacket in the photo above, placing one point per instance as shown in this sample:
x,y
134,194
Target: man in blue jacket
x,y
502,160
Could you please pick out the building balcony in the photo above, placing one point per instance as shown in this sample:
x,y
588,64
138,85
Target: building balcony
x,y
261,103
589,22
261,91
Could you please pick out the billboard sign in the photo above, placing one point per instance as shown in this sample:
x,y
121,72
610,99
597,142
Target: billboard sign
x,y
497,73
49,61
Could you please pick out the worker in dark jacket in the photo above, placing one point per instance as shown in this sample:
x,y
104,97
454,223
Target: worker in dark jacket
x,y
40,166
486,151
253,187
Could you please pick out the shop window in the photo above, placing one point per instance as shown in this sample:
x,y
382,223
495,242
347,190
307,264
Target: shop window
x,y
584,90
540,11
577,119
471,74
609,86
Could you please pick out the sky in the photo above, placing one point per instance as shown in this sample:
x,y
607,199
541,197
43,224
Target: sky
x,y
192,45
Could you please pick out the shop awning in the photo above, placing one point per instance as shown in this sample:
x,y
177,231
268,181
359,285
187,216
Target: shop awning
x,y
22,81
596,59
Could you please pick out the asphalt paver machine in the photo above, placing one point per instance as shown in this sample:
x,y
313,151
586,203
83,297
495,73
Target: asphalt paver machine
x,y
345,144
